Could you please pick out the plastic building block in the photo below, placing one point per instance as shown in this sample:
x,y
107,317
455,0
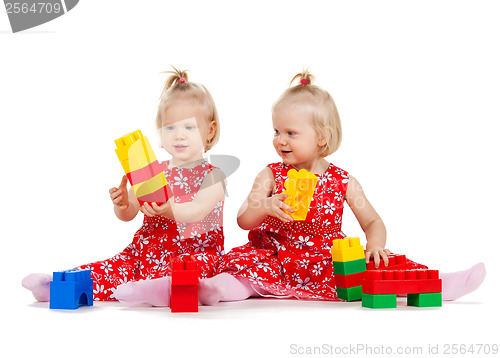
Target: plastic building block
x,y
425,299
352,280
402,281
349,293
347,249
71,289
142,168
378,301
422,286
349,267
299,187
184,289
396,262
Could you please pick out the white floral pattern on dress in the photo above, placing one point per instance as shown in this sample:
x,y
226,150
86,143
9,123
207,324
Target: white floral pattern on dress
x,y
294,259
159,239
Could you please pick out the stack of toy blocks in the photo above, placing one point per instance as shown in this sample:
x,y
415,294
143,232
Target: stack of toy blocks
x,y
299,188
142,168
380,288
71,289
184,289
349,266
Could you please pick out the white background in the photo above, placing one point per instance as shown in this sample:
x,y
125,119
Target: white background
x,y
417,87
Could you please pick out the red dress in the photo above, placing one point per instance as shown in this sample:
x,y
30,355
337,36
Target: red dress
x,y
294,259
159,239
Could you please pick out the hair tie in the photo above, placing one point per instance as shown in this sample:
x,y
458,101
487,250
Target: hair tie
x,y
303,81
182,80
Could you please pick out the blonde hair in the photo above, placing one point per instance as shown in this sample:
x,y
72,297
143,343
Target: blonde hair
x,y
319,104
177,87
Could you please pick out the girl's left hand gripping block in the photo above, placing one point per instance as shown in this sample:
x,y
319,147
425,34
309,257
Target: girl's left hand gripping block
x,y
142,168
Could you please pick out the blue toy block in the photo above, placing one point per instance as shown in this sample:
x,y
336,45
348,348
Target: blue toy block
x,y
71,289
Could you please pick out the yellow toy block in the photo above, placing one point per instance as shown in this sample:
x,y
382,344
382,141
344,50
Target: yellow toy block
x,y
347,249
150,185
142,168
299,187
134,151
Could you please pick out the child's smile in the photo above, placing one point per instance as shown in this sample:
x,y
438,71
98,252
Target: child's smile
x,y
295,140
180,148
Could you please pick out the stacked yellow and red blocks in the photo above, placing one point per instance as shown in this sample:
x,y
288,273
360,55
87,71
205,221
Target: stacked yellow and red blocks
x,y
378,287
142,168
349,266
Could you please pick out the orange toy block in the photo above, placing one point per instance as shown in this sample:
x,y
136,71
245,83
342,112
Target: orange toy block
x,y
299,187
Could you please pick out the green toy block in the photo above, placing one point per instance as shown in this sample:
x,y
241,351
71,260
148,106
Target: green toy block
x,y
350,293
425,299
378,301
349,267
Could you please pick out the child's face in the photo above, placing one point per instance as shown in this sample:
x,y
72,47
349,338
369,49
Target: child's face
x,y
295,139
185,131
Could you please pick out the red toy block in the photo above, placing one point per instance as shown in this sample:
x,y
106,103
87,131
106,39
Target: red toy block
x,y
396,262
352,280
185,278
401,281
184,289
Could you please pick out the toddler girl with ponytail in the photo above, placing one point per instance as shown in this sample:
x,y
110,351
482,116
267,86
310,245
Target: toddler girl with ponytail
x,y
189,223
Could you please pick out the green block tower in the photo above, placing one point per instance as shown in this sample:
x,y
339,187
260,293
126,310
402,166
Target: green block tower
x,y
349,267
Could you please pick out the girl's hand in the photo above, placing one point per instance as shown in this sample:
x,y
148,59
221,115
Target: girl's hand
x,y
275,207
119,196
154,209
377,252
